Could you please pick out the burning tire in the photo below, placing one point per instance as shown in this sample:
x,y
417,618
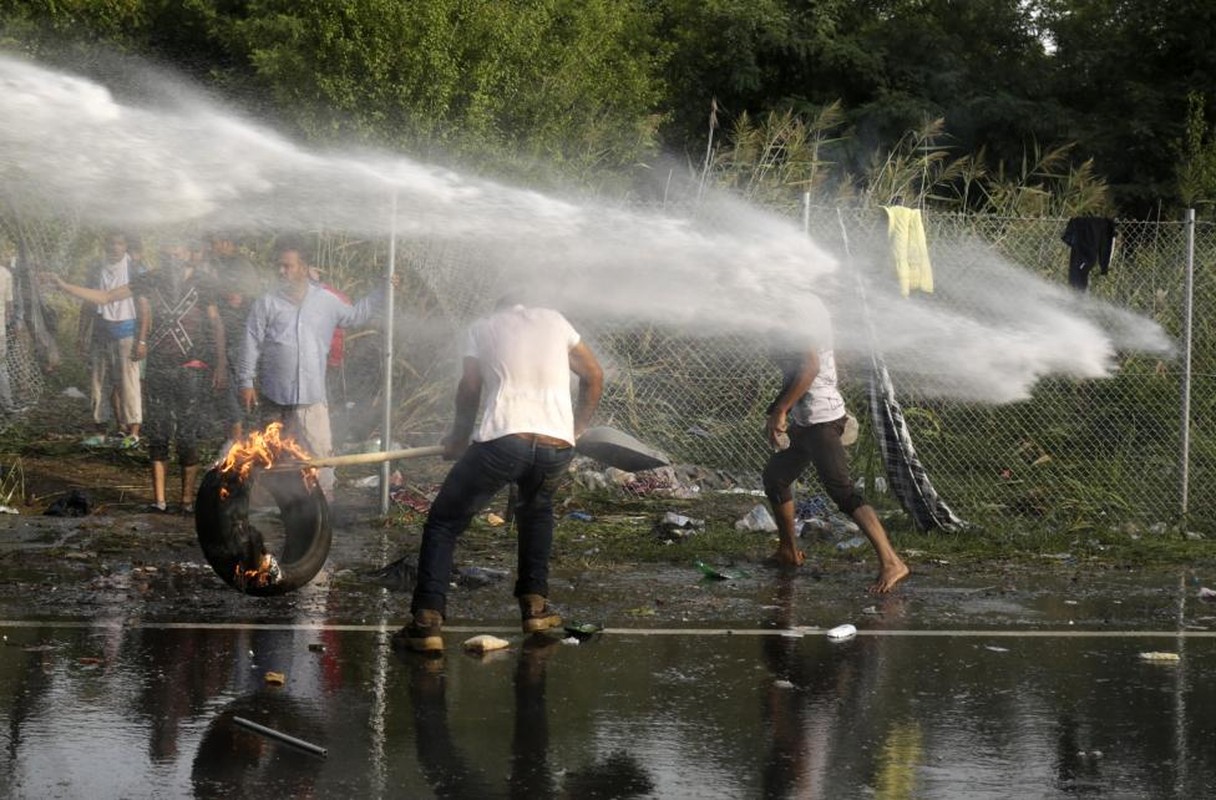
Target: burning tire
x,y
236,549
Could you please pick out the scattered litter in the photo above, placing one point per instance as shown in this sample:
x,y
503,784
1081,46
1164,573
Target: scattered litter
x,y
717,573
781,683
412,497
1207,594
814,506
75,504
880,485
485,643
758,519
815,518
1160,657
852,543
996,649
871,611
580,516
474,577
74,393
583,630
275,679
673,527
681,481
572,640
282,737
366,483
8,510
814,526
681,521
842,632
1070,602
399,576
494,520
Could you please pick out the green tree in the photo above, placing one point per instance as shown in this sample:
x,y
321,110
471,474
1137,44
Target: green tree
x,y
1125,69
1196,157
570,82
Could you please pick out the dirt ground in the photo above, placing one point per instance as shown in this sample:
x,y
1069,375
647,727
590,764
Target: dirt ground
x,y
121,560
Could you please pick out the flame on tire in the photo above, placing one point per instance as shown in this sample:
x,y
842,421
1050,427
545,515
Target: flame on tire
x,y
261,450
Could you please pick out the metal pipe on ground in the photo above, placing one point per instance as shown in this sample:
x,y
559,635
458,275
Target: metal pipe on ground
x,y
315,749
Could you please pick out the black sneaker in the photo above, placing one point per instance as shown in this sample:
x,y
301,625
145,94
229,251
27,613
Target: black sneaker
x,y
424,634
537,614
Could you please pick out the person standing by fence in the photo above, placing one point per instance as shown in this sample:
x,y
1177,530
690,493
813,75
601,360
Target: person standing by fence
x,y
286,344
108,336
181,367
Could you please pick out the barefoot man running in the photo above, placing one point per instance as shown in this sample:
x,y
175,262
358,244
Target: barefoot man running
x,y
804,427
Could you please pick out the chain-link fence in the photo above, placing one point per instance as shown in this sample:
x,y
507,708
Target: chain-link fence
x,y
1076,453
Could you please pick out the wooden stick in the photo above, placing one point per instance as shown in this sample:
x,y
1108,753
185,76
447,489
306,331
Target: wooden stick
x,y
361,458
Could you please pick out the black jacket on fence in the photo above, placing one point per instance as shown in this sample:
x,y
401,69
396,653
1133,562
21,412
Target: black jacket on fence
x,y
1091,240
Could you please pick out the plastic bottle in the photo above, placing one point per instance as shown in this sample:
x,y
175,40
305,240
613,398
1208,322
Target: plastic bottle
x,y
842,632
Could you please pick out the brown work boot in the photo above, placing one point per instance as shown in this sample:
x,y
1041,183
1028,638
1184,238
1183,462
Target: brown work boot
x,y
424,634
537,614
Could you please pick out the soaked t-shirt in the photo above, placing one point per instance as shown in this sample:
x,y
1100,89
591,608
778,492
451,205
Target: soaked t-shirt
x,y
524,355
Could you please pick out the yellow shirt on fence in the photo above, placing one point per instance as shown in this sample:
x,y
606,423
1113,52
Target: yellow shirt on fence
x,y
906,237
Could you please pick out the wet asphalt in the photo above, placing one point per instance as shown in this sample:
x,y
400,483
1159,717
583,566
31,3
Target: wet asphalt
x,y
126,663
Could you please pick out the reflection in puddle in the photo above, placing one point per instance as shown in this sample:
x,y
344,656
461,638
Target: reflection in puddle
x,y
147,712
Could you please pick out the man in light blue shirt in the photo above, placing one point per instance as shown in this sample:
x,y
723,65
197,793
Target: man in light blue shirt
x,y
287,337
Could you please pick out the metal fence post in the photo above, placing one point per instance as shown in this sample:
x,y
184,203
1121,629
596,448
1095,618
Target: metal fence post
x,y
386,425
1188,314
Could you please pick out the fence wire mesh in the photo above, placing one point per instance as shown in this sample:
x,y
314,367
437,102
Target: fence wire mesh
x,y
1076,453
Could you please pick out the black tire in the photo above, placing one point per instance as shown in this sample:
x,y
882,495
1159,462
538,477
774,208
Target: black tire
x,y
229,540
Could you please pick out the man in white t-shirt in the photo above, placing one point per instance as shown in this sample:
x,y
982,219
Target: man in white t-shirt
x,y
804,427
516,371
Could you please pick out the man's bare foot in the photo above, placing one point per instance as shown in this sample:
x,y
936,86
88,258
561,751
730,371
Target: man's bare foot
x,y
789,557
889,577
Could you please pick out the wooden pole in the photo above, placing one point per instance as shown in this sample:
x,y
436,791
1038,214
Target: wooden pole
x,y
361,458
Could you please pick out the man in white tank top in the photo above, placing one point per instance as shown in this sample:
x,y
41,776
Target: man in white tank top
x,y
516,372
804,427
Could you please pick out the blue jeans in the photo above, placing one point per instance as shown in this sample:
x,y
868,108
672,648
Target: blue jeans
x,y
481,473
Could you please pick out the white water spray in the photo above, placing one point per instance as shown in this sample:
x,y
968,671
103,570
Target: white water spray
x,y
66,142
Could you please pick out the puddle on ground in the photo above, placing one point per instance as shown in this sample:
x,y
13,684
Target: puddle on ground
x,y
125,711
